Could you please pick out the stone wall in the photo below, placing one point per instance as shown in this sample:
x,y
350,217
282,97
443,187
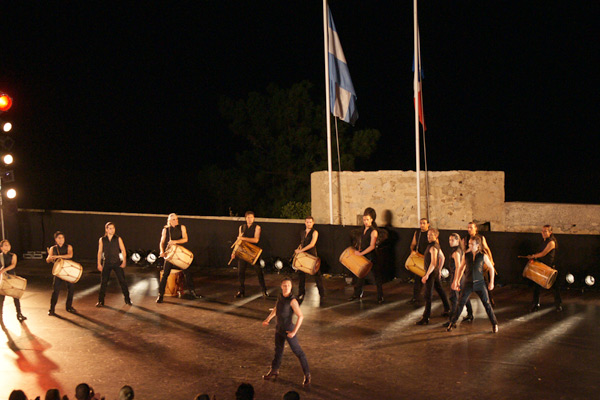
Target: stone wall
x,y
564,218
456,197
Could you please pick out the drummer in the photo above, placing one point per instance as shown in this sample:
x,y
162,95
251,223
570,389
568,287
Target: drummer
x,y
57,252
547,256
434,259
366,247
308,242
473,230
249,232
419,244
8,262
172,234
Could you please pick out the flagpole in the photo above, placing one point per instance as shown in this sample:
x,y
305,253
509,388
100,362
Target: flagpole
x,y
327,108
416,96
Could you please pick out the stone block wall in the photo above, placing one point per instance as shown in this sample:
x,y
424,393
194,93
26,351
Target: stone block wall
x,y
564,218
455,198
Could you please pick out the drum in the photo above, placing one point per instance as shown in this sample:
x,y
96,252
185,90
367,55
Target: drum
x,y
540,273
415,263
247,251
175,283
359,265
12,285
306,263
179,256
67,270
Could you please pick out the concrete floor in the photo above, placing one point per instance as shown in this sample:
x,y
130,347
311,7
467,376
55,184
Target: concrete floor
x,y
358,350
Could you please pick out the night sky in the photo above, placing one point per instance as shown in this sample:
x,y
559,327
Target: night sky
x,y
116,104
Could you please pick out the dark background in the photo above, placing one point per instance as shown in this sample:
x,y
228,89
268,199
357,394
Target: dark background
x,y
116,103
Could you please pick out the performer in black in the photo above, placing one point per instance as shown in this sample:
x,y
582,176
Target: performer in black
x,y
419,244
547,256
58,251
366,247
287,305
308,243
434,259
473,230
173,233
109,246
456,259
249,232
472,268
8,262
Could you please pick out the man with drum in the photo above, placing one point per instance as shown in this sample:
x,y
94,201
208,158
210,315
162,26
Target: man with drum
x,y
56,252
472,231
249,232
308,242
547,255
8,262
434,259
112,248
419,244
172,234
367,248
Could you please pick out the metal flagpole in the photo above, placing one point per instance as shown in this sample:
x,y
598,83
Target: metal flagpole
x,y
327,107
416,88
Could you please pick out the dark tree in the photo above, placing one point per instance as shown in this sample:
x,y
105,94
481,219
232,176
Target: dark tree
x,y
281,140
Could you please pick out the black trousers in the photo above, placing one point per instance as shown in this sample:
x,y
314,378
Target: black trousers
x,y
481,290
555,288
376,273
280,338
302,283
434,282
17,304
56,286
189,280
454,296
120,273
417,286
242,265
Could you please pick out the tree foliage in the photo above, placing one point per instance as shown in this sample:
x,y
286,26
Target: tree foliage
x,y
282,140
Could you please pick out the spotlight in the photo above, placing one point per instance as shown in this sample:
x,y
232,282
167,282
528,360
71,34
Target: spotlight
x,y
12,193
7,159
570,278
445,273
151,258
279,264
5,102
589,280
262,263
6,126
136,257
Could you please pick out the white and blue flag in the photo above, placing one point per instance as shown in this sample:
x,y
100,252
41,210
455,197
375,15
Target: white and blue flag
x,y
341,89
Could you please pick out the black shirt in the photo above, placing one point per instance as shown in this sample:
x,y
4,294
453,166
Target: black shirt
x,y
285,312
427,255
305,240
7,261
365,241
422,241
548,259
474,268
249,232
111,250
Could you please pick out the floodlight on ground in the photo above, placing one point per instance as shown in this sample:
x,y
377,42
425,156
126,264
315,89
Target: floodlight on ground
x,y
7,159
590,280
11,193
278,264
262,263
445,273
136,257
6,126
151,258
570,278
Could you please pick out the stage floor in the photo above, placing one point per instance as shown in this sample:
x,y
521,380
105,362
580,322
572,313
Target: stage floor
x,y
359,350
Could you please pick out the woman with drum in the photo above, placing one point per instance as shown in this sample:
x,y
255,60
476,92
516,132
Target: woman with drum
x,y
57,252
456,258
546,256
419,245
308,242
249,232
8,262
366,247
434,259
287,305
174,234
472,269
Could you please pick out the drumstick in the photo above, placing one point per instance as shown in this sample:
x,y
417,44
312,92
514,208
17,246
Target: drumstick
x,y
523,256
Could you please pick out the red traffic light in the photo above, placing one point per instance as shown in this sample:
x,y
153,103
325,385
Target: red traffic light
x,y
5,102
